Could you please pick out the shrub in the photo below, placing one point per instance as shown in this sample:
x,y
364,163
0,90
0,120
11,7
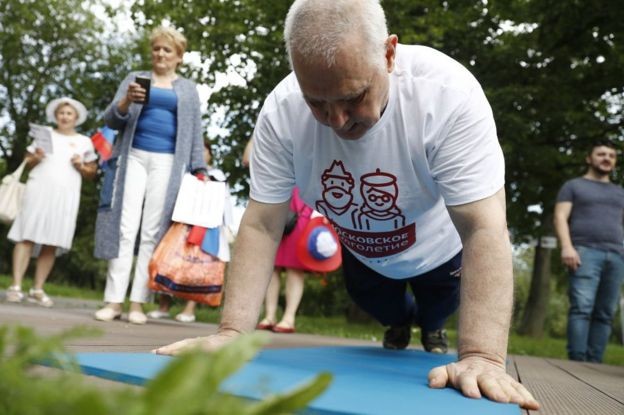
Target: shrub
x,y
188,385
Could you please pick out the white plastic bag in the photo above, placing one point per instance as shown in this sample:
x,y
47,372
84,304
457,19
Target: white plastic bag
x,y
11,194
199,203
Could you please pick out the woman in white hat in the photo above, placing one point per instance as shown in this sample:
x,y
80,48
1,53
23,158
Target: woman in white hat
x,y
44,227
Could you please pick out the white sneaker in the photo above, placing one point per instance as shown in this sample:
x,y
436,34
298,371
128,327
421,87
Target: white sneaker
x,y
107,314
157,314
185,318
39,297
137,317
14,294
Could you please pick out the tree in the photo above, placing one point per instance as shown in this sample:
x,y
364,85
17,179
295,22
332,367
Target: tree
x,y
238,40
552,74
50,49
47,50
551,71
556,88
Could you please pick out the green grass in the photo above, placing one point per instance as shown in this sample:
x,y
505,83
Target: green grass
x,y
556,348
338,327
518,345
55,290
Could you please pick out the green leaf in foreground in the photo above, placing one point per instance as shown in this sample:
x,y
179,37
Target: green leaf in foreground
x,y
199,374
189,385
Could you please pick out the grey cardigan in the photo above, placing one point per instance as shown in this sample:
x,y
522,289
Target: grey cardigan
x,y
188,157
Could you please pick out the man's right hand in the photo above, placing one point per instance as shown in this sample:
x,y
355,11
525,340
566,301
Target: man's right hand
x,y
249,274
570,258
206,344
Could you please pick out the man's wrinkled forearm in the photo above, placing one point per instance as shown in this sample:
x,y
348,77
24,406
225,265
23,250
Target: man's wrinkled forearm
x,y
486,297
248,277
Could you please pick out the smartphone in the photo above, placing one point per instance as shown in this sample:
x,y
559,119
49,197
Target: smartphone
x,y
145,84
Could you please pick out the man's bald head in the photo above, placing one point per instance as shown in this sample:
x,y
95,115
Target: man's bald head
x,y
316,29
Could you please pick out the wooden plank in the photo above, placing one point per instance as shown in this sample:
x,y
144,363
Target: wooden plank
x,y
512,370
511,367
609,369
560,393
138,338
608,379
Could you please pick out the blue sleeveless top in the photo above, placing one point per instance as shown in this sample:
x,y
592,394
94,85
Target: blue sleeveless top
x,y
157,126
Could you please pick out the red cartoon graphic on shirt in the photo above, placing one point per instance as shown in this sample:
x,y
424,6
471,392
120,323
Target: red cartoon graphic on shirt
x,y
337,186
376,229
380,192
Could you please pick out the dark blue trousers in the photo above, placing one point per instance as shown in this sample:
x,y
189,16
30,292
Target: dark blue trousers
x,y
435,294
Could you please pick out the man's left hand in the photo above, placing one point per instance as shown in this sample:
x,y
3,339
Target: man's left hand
x,y
476,377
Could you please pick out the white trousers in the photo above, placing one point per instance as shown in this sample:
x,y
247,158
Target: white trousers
x,y
147,179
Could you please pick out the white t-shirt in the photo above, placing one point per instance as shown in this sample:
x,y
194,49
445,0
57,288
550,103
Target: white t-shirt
x,y
386,192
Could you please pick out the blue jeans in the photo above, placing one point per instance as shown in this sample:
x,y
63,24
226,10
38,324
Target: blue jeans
x,y
435,293
594,291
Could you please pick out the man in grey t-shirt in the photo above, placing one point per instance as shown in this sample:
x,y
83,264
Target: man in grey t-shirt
x,y
588,219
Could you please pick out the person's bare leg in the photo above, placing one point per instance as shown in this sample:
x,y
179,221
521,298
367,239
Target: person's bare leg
x,y
118,307
164,303
21,258
294,293
271,298
136,307
45,262
164,306
189,308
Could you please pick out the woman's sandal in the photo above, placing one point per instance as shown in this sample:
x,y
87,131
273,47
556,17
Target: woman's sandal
x,y
265,325
284,329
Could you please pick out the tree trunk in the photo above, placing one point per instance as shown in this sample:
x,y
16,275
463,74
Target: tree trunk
x,y
536,309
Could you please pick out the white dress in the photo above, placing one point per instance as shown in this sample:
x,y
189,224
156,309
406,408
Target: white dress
x,y
52,195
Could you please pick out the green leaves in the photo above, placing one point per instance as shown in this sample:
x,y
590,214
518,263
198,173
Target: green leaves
x,y
198,374
49,49
189,385
294,400
193,380
242,39
22,392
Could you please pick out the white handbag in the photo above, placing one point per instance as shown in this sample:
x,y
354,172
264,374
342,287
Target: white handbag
x,y
11,193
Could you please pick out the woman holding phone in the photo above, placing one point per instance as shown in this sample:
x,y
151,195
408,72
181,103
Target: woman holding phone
x,y
159,140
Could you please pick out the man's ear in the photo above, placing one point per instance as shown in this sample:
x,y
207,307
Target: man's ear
x,y
391,44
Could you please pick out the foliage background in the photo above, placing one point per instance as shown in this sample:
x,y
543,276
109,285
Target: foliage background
x,y
551,70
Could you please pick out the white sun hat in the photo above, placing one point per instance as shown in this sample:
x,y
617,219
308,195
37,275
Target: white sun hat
x,y
77,105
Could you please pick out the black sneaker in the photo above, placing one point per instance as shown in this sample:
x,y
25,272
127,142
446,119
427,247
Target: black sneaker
x,y
435,341
397,338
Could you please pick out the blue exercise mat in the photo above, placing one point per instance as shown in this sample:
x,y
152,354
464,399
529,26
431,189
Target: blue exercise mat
x,y
367,380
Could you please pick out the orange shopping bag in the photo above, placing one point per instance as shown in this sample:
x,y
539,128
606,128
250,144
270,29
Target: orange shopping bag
x,y
184,270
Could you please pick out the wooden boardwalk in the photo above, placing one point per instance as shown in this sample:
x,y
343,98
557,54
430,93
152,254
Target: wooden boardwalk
x,y
561,386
